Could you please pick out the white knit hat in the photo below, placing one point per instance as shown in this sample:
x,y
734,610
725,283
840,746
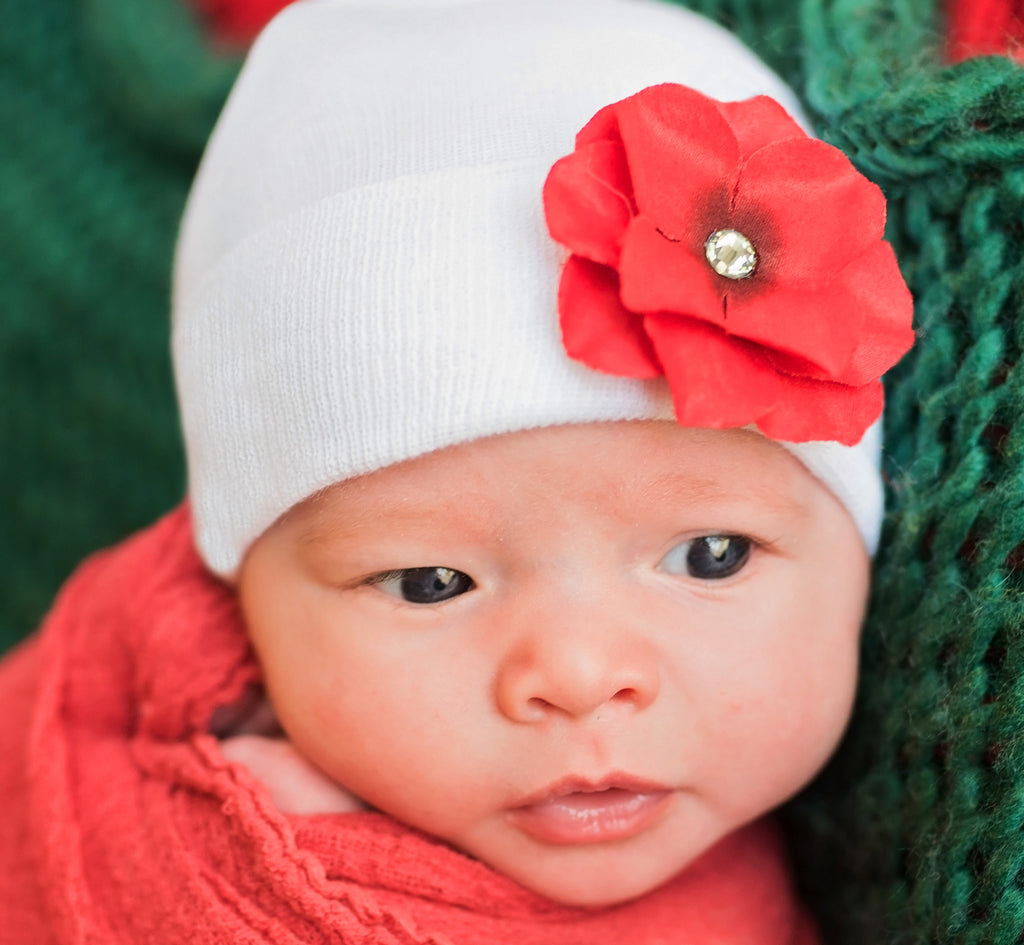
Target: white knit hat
x,y
364,273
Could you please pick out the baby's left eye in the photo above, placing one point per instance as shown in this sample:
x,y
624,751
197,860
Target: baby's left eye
x,y
423,585
708,558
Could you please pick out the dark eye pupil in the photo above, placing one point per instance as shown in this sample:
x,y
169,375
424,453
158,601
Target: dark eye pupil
x,y
717,556
432,585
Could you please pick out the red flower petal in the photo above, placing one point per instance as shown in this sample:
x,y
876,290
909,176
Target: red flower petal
x,y
759,121
604,126
821,212
715,380
873,282
819,410
660,275
798,347
588,201
818,330
719,382
868,303
596,328
683,157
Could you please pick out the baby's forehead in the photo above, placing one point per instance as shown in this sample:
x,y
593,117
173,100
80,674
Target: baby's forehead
x,y
631,467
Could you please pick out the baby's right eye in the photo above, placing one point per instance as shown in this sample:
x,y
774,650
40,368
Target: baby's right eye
x,y
423,585
709,558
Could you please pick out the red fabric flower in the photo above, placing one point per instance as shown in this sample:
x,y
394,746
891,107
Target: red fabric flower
x,y
237,22
984,28
798,346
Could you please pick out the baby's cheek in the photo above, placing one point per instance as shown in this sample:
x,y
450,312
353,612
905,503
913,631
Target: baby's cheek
x,y
345,726
777,730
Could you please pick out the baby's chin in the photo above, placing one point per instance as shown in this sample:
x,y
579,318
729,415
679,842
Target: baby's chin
x,y
750,860
595,875
612,880
587,892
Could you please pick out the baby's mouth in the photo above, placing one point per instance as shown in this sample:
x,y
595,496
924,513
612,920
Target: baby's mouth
x,y
576,811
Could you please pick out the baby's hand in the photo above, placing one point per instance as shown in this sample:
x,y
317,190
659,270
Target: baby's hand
x,y
295,784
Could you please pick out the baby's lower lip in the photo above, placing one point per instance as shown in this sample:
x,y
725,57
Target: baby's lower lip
x,y
591,816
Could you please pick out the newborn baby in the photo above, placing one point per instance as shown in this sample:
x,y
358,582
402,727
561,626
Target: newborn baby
x,y
529,365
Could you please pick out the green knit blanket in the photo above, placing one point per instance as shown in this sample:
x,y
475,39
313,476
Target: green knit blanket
x,y
104,109
914,834
919,824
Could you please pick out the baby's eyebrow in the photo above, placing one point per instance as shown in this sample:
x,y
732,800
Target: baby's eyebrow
x,y
324,529
672,487
326,526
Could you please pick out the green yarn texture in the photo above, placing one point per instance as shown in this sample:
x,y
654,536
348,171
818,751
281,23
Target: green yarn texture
x,y
104,109
920,819
914,834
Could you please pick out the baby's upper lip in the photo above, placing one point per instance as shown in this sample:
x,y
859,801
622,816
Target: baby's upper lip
x,y
574,784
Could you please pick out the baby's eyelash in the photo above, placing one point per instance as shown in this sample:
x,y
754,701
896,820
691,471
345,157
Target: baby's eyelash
x,y
382,576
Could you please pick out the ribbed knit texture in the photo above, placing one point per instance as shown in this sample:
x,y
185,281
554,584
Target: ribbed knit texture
x,y
380,283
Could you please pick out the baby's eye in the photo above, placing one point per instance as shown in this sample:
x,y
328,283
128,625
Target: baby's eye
x,y
423,585
708,558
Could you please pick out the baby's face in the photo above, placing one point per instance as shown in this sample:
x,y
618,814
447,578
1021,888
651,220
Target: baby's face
x,y
582,654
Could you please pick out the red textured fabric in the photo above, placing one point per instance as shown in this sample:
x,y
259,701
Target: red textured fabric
x,y
123,823
237,22
985,28
798,346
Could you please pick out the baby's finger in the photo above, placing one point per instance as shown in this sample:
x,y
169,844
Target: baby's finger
x,y
294,783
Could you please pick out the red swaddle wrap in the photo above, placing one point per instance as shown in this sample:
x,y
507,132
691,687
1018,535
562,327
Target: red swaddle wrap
x,y
124,823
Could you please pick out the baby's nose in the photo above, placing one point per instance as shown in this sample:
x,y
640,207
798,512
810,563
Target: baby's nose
x,y
576,664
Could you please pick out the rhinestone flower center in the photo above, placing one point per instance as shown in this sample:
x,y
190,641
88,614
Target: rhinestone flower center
x,y
731,254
